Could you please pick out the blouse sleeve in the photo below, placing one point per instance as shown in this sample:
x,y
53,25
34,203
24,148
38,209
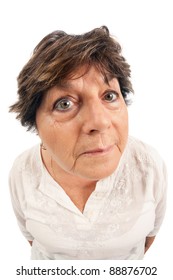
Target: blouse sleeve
x,y
17,197
160,201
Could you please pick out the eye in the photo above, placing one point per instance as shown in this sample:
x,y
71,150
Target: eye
x,y
110,96
63,104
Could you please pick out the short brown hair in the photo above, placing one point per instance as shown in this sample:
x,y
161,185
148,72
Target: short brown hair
x,y
56,57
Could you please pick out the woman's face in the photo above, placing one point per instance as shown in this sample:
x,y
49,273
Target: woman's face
x,y
83,125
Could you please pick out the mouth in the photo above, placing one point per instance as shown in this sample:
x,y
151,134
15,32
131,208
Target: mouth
x,y
99,151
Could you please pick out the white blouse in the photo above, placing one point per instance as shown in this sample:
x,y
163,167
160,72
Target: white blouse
x,y
122,210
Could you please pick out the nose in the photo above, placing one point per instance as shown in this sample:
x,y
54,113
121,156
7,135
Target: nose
x,y
96,118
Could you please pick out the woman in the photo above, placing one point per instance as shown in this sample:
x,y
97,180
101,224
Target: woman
x,y
89,191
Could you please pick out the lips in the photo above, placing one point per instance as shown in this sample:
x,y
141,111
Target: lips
x,y
99,151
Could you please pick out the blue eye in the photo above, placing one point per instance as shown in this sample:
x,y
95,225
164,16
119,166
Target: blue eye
x,y
110,96
63,104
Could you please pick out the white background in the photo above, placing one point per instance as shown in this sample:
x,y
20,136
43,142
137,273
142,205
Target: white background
x,y
144,29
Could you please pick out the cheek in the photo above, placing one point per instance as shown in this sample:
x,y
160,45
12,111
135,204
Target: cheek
x,y
59,138
121,127
47,129
124,125
120,120
124,116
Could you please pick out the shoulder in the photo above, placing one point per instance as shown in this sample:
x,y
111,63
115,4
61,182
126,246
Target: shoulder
x,y
146,167
144,154
146,163
26,162
25,174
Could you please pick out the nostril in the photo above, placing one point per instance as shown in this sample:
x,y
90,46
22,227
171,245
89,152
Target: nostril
x,y
93,130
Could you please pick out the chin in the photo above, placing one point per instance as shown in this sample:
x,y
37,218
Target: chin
x,y
99,173
97,168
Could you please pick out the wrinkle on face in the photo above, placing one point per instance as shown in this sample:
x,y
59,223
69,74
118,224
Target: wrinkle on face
x,y
66,141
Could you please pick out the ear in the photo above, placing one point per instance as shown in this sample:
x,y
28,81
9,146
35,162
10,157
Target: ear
x,y
128,96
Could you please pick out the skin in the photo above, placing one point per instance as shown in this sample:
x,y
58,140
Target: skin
x,y
83,125
84,128
148,242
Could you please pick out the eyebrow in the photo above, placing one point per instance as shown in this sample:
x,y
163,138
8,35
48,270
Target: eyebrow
x,y
64,85
67,85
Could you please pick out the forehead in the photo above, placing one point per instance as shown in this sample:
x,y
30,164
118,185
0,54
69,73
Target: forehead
x,y
81,80
92,74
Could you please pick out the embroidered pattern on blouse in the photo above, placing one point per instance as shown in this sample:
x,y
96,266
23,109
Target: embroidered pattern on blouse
x,y
122,206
